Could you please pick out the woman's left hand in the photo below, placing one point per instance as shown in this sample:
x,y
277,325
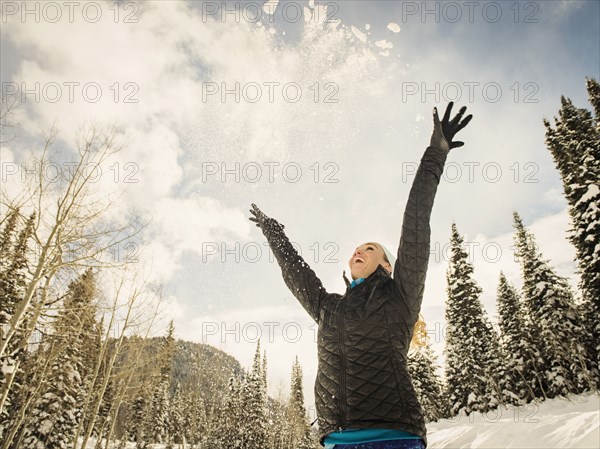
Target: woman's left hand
x,y
444,131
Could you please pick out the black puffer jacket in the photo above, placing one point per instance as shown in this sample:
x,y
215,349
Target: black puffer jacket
x,y
364,334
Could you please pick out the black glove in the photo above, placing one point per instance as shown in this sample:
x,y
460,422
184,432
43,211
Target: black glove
x,y
266,224
444,131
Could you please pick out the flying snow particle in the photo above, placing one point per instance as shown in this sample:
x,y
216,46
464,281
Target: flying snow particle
x,y
367,26
384,44
359,34
269,6
394,27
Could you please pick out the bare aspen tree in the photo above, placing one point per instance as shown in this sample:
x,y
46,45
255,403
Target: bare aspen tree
x,y
8,106
130,369
133,310
71,230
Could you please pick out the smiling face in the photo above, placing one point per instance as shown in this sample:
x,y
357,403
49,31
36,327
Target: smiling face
x,y
365,260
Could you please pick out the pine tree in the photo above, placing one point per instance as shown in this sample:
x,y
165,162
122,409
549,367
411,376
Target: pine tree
x,y
278,435
524,358
264,372
177,419
57,410
475,370
157,413
6,239
227,431
136,420
254,397
297,418
553,317
195,420
7,370
14,266
422,367
593,88
575,146
104,412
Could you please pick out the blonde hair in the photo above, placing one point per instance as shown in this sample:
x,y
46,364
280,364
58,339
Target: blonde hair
x,y
419,337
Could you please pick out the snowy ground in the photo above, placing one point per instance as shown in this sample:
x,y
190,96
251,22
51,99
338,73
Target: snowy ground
x,y
556,423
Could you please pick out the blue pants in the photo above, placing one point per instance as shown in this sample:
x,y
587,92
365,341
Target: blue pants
x,y
388,444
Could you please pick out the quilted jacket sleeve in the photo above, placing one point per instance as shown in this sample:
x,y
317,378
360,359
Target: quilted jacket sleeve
x,y
410,268
297,275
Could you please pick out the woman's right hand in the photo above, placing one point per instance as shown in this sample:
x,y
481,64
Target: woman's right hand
x,y
262,221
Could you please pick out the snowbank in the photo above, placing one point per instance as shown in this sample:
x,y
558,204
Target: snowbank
x,y
556,423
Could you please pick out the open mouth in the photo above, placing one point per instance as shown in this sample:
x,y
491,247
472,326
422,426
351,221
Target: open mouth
x,y
359,260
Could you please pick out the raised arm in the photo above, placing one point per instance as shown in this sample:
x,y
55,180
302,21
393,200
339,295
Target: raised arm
x,y
410,269
297,275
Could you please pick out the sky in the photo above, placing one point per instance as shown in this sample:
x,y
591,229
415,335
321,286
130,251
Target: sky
x,y
318,112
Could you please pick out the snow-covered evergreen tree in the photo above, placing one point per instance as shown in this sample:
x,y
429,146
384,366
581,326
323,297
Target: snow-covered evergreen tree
x,y
278,435
523,357
475,370
177,419
553,316
254,397
297,418
104,412
227,430
56,412
575,146
195,419
135,422
14,266
264,371
156,420
422,367
7,304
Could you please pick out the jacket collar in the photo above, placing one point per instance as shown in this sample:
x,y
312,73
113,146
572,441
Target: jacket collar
x,y
379,272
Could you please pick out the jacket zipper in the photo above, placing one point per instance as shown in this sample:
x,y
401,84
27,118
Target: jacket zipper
x,y
341,336
342,395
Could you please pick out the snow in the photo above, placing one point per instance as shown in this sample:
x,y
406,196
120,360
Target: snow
x,y
555,423
270,6
592,192
359,34
384,44
394,27
46,427
7,368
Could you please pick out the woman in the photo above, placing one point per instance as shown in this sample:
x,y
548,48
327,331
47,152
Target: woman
x,y
363,392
